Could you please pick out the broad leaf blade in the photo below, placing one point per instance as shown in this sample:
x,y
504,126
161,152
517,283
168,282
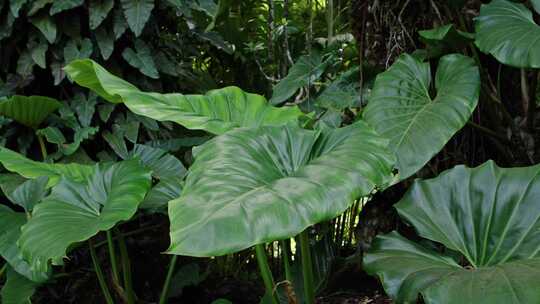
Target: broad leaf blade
x,y
250,186
30,111
401,109
216,112
29,193
507,31
18,289
137,13
75,212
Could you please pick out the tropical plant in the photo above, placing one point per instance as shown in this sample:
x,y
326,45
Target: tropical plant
x,y
488,216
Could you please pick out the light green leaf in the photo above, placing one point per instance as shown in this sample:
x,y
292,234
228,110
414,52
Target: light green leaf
x,y
305,71
10,231
29,193
490,215
99,9
81,134
141,59
46,26
28,168
401,107
30,111
137,13
52,135
77,49
216,112
15,6
18,289
251,186
75,211
105,42
507,31
62,5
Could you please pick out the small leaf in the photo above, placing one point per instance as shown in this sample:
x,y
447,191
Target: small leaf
x,y
85,108
6,25
52,135
46,26
137,13
120,24
99,9
141,59
306,70
25,64
75,212
77,50
444,39
37,5
29,193
105,110
38,52
15,6
105,42
30,111
117,143
62,5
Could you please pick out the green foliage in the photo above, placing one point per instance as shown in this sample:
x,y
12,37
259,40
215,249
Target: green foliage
x,y
401,107
250,186
507,31
18,289
30,111
76,211
444,39
216,112
487,214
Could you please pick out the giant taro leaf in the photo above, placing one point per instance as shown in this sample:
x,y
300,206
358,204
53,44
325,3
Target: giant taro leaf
x,y
28,168
30,111
507,31
76,211
490,215
216,112
254,185
401,107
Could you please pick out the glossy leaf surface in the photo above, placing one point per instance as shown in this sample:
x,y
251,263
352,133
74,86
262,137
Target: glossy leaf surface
x,y
30,111
216,112
401,107
251,186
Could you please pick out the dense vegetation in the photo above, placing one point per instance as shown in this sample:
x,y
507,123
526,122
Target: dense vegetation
x,y
317,151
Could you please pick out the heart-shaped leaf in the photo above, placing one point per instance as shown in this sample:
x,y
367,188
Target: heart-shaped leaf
x,y
28,168
137,13
250,186
30,111
76,211
216,112
507,31
490,215
401,107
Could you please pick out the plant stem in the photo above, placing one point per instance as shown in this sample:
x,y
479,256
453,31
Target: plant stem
x,y
3,270
126,268
166,285
112,256
99,273
286,259
266,273
42,146
307,267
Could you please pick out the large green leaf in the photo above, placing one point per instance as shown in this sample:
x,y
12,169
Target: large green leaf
x,y
18,289
401,107
75,211
28,168
30,111
10,231
507,31
216,112
137,13
305,71
490,215
254,185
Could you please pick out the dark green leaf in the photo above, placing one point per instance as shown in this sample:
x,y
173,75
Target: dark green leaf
x,y
37,5
15,6
137,13
62,5
18,289
99,9
444,39
141,59
46,26
29,193
77,49
25,63
105,42
120,23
